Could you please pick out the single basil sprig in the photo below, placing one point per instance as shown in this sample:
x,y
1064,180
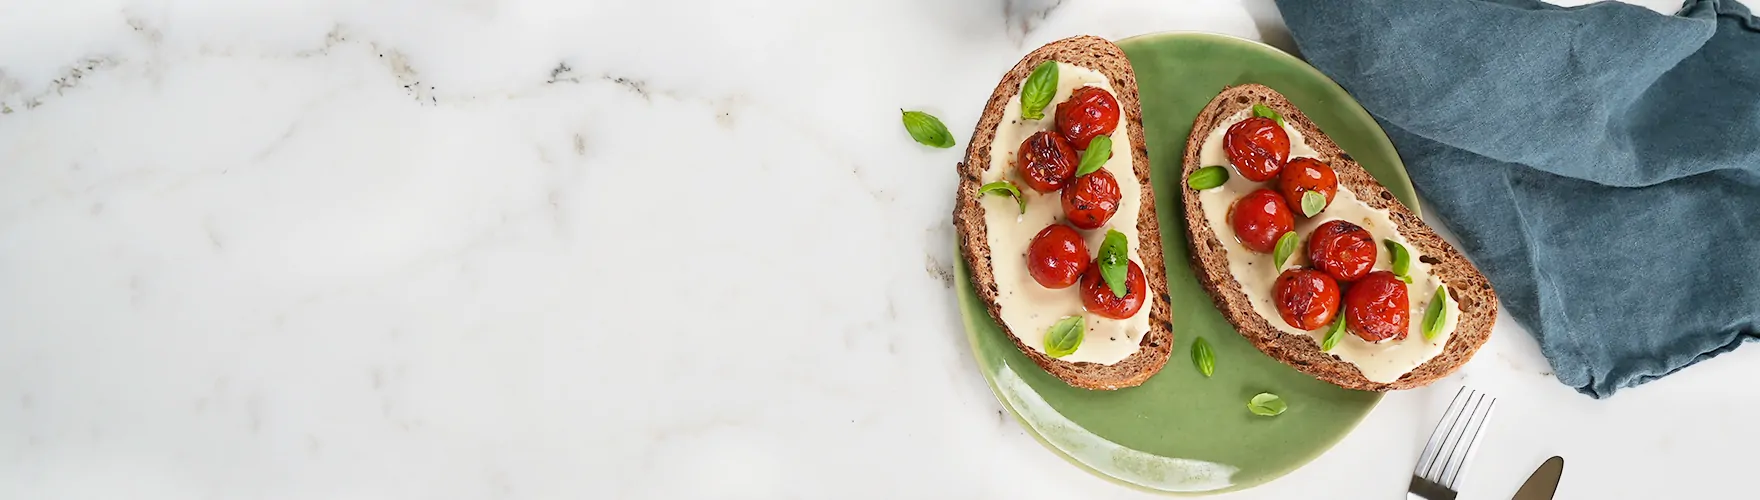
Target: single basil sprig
x,y
1203,357
1207,177
927,129
1402,260
1267,405
1064,337
1099,150
1263,111
1436,313
1114,264
1334,333
1312,203
1004,188
1037,93
1286,245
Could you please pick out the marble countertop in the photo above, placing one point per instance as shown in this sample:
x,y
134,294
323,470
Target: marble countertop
x,y
500,249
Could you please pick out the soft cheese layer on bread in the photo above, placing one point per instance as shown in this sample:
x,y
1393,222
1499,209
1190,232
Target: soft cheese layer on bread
x,y
1028,308
1384,361
1114,354
1244,298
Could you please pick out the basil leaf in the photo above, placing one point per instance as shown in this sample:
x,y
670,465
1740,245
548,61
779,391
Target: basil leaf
x,y
1402,260
1267,405
1263,111
927,129
1064,337
1203,357
1207,177
1436,313
1037,93
1004,188
1099,150
1286,245
1334,333
1312,203
1114,264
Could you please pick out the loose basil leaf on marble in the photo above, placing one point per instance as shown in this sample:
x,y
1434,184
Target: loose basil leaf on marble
x,y
1203,357
1207,177
1436,313
1064,337
1099,150
927,129
1004,188
1267,405
1286,245
1040,88
1114,263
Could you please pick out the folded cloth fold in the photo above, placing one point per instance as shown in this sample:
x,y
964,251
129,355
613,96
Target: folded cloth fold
x,y
1600,163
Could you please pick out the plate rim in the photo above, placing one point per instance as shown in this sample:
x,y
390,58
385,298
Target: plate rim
x,y
964,275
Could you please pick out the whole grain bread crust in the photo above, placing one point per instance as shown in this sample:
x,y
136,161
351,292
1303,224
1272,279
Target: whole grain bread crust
x,y
968,216
1478,302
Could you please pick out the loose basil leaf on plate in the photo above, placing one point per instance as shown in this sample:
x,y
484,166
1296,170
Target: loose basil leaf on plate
x,y
1064,337
1040,88
1203,357
1267,405
927,129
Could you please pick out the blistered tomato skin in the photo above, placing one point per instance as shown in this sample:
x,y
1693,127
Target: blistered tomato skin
x,y
1057,257
1090,200
1376,308
1047,162
1305,298
1305,174
1260,218
1098,297
1257,147
1341,249
1088,113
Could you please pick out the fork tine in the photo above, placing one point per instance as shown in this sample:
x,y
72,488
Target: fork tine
x,y
1452,440
1434,445
1460,465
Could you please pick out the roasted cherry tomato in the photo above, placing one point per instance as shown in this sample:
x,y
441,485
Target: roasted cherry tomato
x,y
1047,162
1305,174
1307,299
1057,256
1376,307
1098,297
1343,250
1091,200
1259,219
1088,113
1257,147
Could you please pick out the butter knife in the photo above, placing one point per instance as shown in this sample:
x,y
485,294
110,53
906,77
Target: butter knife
x,y
1544,482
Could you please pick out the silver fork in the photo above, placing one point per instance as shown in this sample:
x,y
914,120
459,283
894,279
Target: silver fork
x,y
1451,446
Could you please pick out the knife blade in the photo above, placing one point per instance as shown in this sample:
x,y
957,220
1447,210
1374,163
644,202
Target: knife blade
x,y
1543,482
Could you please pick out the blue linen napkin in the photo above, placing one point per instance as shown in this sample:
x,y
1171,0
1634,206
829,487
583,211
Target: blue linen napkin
x,y
1601,164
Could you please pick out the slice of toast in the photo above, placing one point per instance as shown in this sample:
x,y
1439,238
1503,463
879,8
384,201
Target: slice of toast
x,y
1469,288
968,217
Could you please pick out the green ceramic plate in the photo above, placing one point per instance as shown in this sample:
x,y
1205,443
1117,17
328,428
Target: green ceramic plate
x,y
1181,432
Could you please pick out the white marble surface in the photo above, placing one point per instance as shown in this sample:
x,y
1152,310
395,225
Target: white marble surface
x,y
463,249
